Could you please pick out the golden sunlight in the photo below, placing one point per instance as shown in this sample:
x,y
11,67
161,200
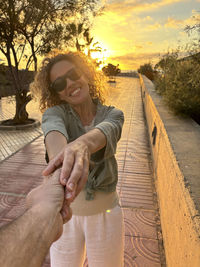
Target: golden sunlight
x,y
99,53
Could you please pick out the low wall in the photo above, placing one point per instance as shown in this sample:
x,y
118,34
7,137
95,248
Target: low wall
x,y
175,147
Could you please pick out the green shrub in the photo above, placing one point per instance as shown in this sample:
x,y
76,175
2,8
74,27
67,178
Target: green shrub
x,y
180,84
147,70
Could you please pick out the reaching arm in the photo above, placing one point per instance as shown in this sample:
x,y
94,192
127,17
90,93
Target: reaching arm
x,y
54,142
74,158
25,241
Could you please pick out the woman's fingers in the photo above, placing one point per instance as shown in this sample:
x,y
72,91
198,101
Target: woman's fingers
x,y
53,164
83,179
76,171
70,195
74,160
67,166
79,181
66,212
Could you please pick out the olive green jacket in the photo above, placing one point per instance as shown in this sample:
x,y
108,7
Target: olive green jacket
x,y
103,173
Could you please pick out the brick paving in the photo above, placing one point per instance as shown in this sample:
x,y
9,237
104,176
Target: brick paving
x,y
21,172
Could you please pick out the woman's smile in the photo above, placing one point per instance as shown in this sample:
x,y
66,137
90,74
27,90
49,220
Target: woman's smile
x,y
76,91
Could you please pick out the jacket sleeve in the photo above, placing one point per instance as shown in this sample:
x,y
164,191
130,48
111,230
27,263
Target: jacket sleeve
x,y
53,120
111,126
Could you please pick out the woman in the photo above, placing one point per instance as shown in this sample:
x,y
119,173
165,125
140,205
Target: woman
x,y
81,135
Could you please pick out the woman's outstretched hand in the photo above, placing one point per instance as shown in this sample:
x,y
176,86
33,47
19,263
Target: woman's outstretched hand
x,y
74,159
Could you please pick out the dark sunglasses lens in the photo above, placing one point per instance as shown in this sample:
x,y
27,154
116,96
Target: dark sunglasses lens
x,y
59,84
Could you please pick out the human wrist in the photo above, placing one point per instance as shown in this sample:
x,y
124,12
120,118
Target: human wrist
x,y
86,142
49,220
94,140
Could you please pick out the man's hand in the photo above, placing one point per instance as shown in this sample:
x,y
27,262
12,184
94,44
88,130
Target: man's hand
x,y
29,237
74,159
49,198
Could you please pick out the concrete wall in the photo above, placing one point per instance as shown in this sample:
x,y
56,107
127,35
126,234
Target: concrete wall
x,y
175,145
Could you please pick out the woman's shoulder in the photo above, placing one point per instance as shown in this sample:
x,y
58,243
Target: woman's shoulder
x,y
108,108
57,109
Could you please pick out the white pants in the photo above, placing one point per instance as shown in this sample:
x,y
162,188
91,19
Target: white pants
x,y
102,235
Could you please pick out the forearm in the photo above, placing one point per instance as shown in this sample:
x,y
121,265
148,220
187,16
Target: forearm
x,y
94,139
55,142
25,242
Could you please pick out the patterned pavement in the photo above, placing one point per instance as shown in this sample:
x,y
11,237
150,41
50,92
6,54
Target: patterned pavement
x,y
21,172
12,141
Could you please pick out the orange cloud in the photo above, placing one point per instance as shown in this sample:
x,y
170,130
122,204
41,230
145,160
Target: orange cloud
x,y
123,6
177,23
154,26
174,23
133,61
126,34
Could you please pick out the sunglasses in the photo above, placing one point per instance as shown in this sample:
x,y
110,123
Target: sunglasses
x,y
60,83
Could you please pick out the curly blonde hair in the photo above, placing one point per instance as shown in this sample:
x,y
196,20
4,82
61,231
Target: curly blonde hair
x,y
40,87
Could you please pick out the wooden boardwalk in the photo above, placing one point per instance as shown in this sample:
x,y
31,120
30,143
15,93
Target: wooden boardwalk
x,y
21,172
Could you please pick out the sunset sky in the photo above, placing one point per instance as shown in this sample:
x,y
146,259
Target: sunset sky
x,y
135,32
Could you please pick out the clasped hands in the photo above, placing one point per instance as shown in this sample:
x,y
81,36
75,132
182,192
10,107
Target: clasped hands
x,y
74,163
65,176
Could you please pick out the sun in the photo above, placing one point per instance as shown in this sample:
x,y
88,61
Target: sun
x,y
99,53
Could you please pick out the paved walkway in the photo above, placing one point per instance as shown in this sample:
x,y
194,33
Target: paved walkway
x,y
12,141
21,172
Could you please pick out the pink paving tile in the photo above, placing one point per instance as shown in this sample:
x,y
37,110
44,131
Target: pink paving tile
x,y
143,197
129,165
137,138
8,168
28,158
11,207
141,166
129,156
120,164
134,182
135,192
128,175
136,170
138,203
139,177
15,211
141,149
137,157
141,157
140,223
39,139
141,252
37,143
19,184
34,149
